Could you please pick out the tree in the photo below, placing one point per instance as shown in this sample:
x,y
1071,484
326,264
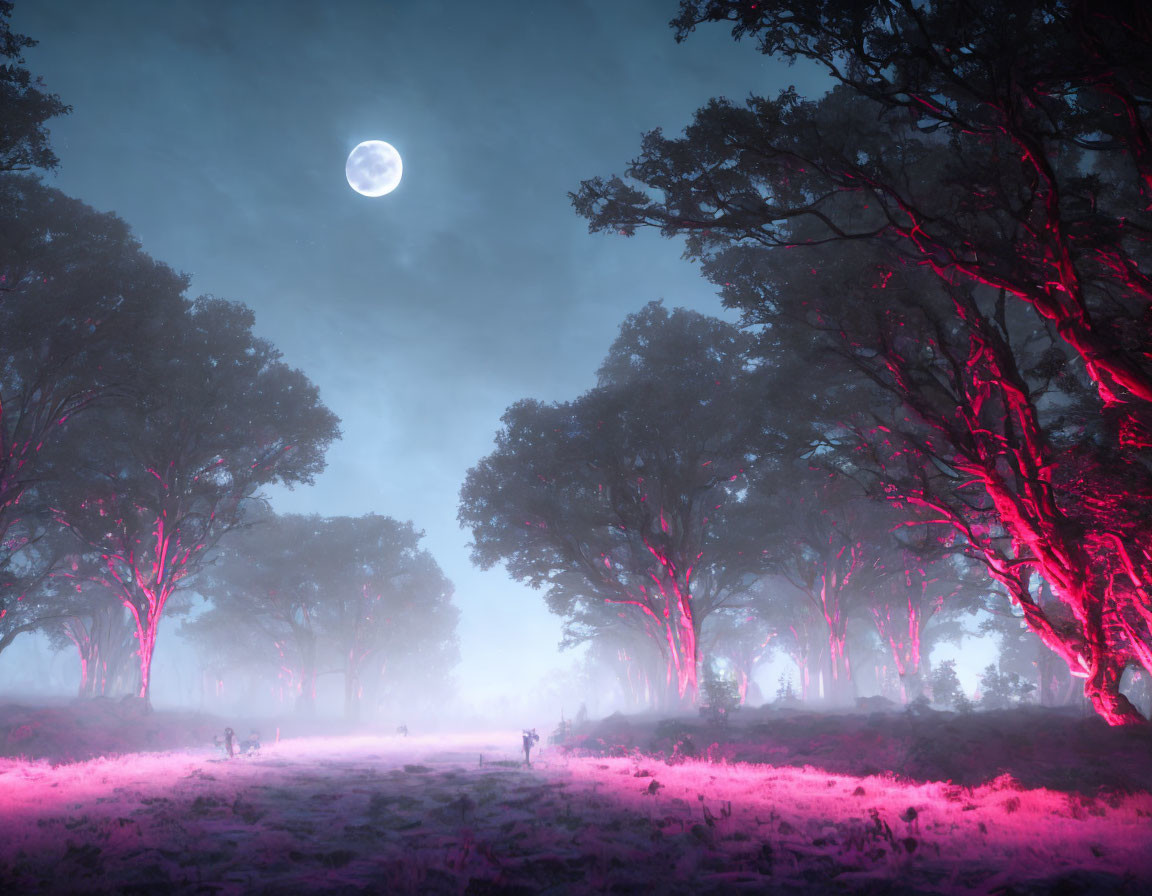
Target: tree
x,y
832,555
945,686
165,477
291,594
24,106
91,618
925,586
633,663
801,628
294,593
721,697
266,586
1017,180
25,561
80,304
388,610
998,438
1000,690
743,641
626,503
1022,652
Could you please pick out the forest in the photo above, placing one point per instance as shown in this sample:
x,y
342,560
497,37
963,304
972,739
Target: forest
x,y
940,402
933,416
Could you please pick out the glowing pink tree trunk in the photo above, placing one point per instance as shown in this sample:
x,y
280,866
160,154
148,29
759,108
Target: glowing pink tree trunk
x,y
1021,508
145,587
146,555
900,613
837,621
667,615
801,648
822,565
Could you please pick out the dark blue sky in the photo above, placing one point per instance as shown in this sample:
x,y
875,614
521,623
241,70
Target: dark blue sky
x,y
219,129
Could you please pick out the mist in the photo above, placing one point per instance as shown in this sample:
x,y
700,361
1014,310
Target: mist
x,y
590,447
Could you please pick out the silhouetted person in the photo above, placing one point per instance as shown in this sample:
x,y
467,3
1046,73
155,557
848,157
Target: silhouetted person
x,y
531,738
230,742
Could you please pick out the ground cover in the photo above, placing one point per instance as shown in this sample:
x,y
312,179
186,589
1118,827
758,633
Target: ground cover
x,y
632,805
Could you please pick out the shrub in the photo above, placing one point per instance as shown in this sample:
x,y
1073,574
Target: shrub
x,y
945,684
999,690
784,690
721,698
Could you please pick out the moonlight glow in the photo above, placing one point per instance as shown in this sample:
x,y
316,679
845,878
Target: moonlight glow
x,y
374,168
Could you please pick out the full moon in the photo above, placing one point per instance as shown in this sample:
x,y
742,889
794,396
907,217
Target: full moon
x,y
374,168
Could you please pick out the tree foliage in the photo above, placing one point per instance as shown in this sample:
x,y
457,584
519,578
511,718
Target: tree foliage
x,y
24,105
1046,178
298,595
945,686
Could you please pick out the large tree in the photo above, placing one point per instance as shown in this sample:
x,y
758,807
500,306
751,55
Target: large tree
x,y
626,503
93,620
162,478
999,441
80,307
923,588
387,612
743,641
1016,175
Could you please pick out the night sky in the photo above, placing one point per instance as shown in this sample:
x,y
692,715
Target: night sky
x,y
219,130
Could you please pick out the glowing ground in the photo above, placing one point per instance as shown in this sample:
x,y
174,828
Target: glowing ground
x,y
423,815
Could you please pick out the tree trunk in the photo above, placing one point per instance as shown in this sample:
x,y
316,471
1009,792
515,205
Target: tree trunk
x,y
1103,691
306,700
147,619
352,689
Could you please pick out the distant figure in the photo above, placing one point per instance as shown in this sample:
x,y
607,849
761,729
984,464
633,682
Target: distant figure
x,y
531,738
251,746
230,742
402,730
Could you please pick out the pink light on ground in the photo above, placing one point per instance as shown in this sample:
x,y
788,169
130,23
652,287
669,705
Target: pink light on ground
x,y
376,808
